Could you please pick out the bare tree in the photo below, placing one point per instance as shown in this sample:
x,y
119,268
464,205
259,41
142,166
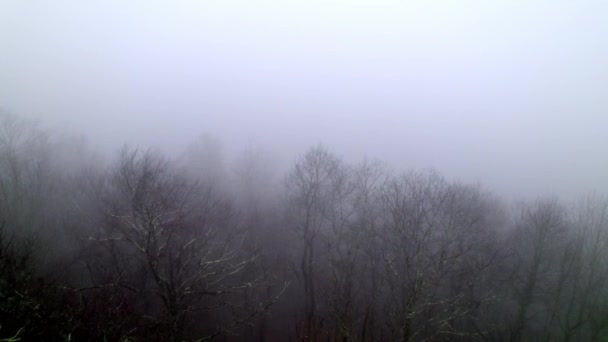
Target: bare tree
x,y
309,188
24,173
369,179
436,256
343,256
575,304
540,233
171,242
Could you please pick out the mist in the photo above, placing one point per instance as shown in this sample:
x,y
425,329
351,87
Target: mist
x,y
509,94
500,105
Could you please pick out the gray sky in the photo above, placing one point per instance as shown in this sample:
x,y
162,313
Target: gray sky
x,y
512,94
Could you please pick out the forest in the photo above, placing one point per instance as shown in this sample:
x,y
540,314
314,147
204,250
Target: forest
x,y
153,247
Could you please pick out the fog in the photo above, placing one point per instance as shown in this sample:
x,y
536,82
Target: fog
x,y
507,93
303,170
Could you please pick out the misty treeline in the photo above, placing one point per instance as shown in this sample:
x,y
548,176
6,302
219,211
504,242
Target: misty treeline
x,y
146,247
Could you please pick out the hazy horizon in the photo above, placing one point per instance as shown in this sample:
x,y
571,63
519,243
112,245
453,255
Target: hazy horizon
x,y
510,94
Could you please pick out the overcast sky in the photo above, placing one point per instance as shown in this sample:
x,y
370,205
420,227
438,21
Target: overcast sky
x,y
511,94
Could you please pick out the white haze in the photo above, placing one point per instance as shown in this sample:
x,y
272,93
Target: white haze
x,y
511,94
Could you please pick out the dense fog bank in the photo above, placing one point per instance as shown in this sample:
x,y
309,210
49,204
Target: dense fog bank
x,y
196,245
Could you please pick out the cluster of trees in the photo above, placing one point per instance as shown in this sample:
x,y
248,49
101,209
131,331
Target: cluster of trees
x,y
150,248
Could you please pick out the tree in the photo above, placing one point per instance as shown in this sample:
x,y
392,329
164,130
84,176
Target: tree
x,y
436,239
369,179
169,242
31,307
25,180
575,305
309,189
538,238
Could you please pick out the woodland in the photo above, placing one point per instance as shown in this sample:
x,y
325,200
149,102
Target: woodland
x,y
145,246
